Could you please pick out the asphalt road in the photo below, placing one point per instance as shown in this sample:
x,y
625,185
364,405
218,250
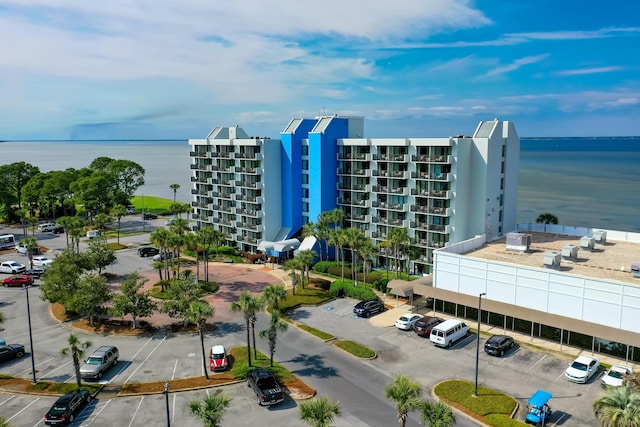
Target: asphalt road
x,y
358,385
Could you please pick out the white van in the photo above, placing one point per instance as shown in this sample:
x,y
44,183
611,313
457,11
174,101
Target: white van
x,y
448,332
92,234
49,226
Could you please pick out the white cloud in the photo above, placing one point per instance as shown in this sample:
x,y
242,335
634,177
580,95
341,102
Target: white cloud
x,y
582,71
515,65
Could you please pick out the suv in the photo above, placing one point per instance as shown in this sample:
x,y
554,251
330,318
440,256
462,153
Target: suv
x,y
148,251
22,249
99,361
48,226
149,216
424,326
12,267
163,255
367,308
58,229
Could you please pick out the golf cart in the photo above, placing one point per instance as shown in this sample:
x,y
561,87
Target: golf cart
x,y
538,412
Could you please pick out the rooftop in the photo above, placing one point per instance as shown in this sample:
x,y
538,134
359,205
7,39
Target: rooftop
x,y
610,261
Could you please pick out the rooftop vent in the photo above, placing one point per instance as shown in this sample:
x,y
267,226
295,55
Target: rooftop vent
x,y
552,259
587,243
600,236
635,270
569,252
518,242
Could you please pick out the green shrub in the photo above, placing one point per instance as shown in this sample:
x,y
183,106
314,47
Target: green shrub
x,y
310,296
322,266
346,288
336,271
323,284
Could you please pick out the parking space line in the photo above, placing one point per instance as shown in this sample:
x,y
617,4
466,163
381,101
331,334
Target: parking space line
x,y
175,367
6,400
27,371
560,376
94,415
145,359
173,409
23,409
136,411
534,365
132,359
58,368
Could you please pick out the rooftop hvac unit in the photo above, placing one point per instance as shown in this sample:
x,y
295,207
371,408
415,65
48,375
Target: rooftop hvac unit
x,y
552,259
518,242
569,252
587,243
600,236
635,270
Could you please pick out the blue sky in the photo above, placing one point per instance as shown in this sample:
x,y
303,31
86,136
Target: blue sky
x,y
119,69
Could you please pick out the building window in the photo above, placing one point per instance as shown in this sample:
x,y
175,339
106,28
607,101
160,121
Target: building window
x,y
305,178
305,193
305,150
502,168
500,216
501,183
305,165
504,150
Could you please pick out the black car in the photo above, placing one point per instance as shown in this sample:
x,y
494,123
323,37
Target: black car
x,y
497,345
66,408
148,251
367,308
11,351
149,216
424,326
58,230
35,272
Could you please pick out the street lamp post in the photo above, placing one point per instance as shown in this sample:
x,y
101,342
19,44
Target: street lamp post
x,y
478,340
166,397
33,361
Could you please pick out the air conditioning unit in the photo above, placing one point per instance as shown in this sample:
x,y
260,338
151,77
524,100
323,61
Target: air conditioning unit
x,y
518,242
552,259
600,236
587,243
569,252
635,270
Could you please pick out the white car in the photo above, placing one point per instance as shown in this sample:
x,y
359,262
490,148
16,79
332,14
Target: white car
x,y
407,320
615,376
42,261
582,369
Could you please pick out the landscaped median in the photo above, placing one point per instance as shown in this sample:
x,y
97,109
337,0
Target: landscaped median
x,y
490,406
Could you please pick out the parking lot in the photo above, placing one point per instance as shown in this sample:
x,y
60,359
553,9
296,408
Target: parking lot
x,y
165,356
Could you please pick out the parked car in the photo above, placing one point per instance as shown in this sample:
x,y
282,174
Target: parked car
x,y
448,332
148,251
20,281
424,325
218,359
99,361
497,345
265,386
12,267
35,273
42,261
58,230
582,369
615,376
368,307
131,209
67,407
149,216
11,351
92,234
48,226
163,255
538,411
406,321
22,249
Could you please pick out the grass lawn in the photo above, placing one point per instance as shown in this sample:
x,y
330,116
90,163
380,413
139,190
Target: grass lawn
x,y
151,204
308,295
358,350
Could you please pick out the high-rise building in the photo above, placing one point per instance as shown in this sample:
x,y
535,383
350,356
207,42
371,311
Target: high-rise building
x,y
441,190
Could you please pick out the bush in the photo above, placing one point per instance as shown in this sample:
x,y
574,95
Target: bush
x,y
346,288
323,266
323,284
337,271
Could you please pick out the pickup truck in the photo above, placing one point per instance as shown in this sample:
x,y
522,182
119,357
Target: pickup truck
x,y
265,386
12,267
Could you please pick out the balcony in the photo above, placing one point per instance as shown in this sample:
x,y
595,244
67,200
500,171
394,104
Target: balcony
x,y
247,184
439,228
352,156
359,218
442,194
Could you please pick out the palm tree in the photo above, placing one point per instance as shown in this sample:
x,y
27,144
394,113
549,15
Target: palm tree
x,y
406,395
118,211
437,414
198,313
174,187
310,230
306,258
211,409
355,239
249,306
547,218
276,324
293,265
367,250
273,294
76,348
618,407
31,243
319,412
339,240
398,237
159,237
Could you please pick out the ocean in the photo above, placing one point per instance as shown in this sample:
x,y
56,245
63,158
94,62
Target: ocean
x,y
585,182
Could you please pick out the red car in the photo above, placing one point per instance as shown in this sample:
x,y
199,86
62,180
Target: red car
x,y
218,359
18,281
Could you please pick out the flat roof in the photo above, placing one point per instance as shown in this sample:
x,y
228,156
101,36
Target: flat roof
x,y
609,261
